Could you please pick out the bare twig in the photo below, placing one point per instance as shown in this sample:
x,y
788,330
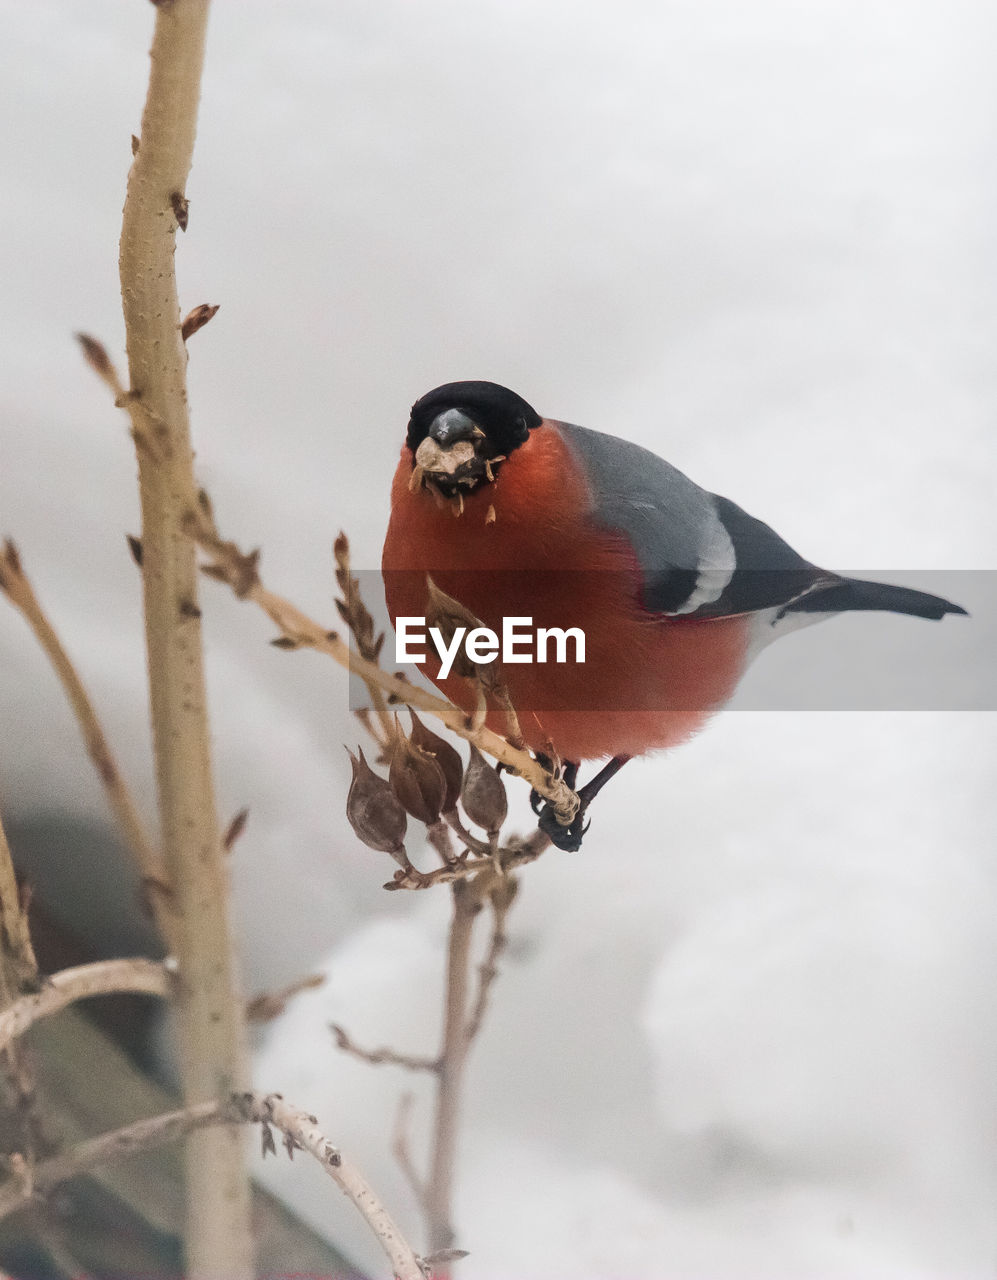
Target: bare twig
x,y
18,973
240,571
379,1057
218,1234
103,977
439,1184
460,1026
515,854
18,954
144,1135
355,614
400,1148
500,900
513,731
16,585
271,1004
301,1131
95,354
439,837
472,842
363,714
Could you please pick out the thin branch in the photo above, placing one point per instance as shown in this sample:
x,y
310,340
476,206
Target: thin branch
x,y
514,854
501,900
269,1005
18,953
355,614
18,589
452,819
438,835
439,1184
212,1032
18,973
459,1030
363,714
301,1131
379,1057
400,1149
103,977
144,1135
240,571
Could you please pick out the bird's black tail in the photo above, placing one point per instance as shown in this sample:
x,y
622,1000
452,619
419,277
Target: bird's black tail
x,y
852,593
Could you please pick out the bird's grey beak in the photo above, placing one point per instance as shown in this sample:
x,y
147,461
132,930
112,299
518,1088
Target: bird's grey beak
x,y
453,425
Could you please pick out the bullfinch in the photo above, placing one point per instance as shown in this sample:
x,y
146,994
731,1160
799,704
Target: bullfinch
x,y
673,588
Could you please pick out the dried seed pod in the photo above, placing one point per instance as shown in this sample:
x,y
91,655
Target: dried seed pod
x,y
416,779
374,812
446,757
483,794
447,615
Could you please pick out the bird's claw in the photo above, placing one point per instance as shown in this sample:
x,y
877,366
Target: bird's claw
x,y
568,838
536,802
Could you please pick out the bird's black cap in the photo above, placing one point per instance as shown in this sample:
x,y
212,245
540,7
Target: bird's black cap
x,y
505,418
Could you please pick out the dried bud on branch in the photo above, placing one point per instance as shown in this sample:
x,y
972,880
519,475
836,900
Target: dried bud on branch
x,y
351,608
483,794
95,354
197,319
416,778
446,757
10,564
181,209
449,615
234,830
374,812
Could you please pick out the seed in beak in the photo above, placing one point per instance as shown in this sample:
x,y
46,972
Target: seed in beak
x,y
431,457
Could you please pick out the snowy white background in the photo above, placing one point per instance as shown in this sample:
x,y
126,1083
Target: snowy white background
x,y
750,1031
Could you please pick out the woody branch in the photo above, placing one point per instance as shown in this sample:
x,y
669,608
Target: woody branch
x,y
218,1233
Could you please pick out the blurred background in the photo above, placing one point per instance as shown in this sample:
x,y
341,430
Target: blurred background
x,y
750,1029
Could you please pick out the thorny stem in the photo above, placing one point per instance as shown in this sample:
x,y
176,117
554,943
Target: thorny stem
x,y
218,1234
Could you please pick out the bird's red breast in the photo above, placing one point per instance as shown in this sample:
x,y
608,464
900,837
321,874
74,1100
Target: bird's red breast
x,y
527,544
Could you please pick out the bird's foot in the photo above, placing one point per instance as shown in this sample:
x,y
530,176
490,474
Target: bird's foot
x,y
568,838
569,773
